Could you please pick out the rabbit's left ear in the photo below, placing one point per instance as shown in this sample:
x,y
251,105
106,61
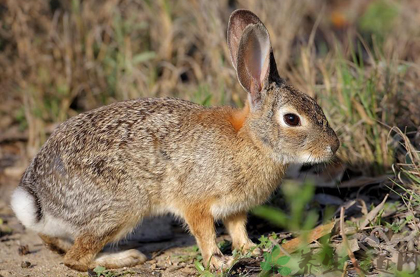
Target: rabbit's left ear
x,y
238,21
251,53
253,65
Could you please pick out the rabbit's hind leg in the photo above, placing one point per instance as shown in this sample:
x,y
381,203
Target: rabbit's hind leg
x,y
81,255
56,244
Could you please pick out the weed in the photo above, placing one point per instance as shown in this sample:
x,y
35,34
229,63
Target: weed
x,y
193,253
202,96
359,61
103,272
271,263
379,17
407,274
224,246
205,272
265,242
296,197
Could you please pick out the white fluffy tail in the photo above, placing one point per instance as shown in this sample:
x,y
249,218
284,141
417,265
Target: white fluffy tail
x,y
24,206
26,210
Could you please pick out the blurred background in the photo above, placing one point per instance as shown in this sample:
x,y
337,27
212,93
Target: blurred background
x,y
360,59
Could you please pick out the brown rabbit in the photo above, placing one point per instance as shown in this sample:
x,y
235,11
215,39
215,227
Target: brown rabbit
x,y
101,172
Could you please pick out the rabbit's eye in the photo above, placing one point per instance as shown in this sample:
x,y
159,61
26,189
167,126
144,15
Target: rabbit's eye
x,y
291,119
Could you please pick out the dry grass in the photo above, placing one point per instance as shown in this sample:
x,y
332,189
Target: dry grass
x,y
359,59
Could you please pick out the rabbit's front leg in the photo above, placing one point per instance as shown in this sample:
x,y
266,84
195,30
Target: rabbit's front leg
x,y
236,227
201,224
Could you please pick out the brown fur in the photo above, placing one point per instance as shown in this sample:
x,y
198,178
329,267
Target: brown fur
x,y
237,117
101,172
235,225
84,249
55,244
201,224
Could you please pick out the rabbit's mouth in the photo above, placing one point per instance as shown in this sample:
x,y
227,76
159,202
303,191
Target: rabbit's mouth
x,y
305,158
314,157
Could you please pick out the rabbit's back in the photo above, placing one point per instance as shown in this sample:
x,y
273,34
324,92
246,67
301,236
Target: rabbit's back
x,y
107,160
145,156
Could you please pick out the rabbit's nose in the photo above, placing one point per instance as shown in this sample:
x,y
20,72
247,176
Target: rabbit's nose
x,y
335,145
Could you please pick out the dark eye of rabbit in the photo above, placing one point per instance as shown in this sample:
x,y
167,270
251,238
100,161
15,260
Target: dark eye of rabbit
x,y
292,119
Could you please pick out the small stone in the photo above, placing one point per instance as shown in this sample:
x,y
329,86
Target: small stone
x,y
25,264
23,250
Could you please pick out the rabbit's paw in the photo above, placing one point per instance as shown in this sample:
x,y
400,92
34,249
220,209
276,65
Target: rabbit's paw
x,y
76,265
248,247
256,252
221,262
127,258
253,248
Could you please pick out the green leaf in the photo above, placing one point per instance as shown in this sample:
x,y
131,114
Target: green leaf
x,y
143,57
266,266
273,215
284,271
276,251
263,239
206,101
267,257
199,266
274,235
283,260
99,269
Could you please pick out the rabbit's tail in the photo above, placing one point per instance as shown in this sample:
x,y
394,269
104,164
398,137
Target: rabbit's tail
x,y
26,206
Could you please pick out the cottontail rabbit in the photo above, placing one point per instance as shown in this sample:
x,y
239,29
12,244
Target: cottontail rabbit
x,y
102,171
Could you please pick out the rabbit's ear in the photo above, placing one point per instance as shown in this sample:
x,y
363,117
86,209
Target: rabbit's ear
x,y
253,62
238,21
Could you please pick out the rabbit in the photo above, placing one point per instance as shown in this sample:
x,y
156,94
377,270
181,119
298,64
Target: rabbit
x,y
101,172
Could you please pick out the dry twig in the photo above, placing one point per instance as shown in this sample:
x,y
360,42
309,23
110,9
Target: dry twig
x,y
346,244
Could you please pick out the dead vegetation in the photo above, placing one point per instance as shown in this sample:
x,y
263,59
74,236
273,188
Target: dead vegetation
x,y
360,59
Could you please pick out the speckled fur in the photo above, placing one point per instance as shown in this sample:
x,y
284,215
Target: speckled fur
x,y
102,171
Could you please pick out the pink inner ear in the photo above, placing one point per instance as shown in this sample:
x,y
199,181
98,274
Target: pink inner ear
x,y
238,22
265,67
257,53
254,60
